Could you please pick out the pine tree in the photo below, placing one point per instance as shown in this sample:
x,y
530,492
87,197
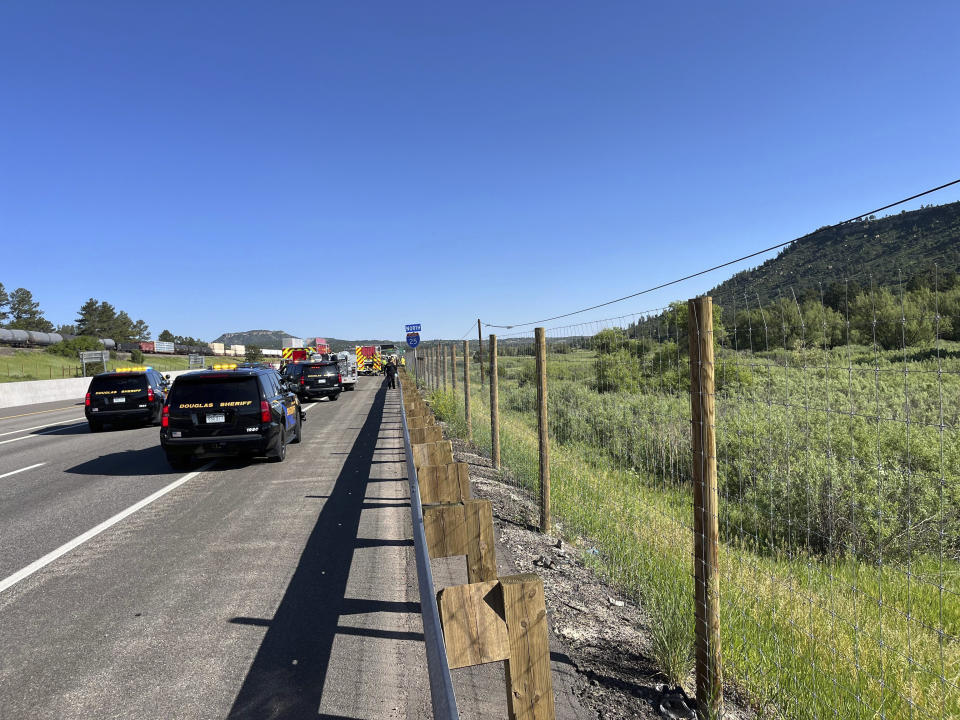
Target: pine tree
x,y
26,312
4,305
141,331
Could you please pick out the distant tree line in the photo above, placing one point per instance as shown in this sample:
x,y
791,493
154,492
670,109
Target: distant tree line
x,y
915,314
96,319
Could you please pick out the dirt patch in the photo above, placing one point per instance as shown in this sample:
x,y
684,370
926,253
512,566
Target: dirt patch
x,y
604,635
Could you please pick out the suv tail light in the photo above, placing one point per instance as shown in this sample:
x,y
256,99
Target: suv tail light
x,y
302,381
149,394
264,411
165,417
86,400
339,378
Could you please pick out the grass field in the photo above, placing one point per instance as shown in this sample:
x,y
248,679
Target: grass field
x,y
840,580
38,365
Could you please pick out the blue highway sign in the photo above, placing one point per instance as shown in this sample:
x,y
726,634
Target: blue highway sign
x,y
415,328
413,339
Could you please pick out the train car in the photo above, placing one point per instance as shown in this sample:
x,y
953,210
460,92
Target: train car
x,y
146,346
161,346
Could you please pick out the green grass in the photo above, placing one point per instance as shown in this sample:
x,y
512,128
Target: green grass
x,y
39,365
837,597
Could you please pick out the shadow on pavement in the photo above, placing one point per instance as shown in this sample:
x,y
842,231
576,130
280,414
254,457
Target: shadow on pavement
x,y
127,463
286,678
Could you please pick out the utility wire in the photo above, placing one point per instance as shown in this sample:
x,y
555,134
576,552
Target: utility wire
x,y
730,262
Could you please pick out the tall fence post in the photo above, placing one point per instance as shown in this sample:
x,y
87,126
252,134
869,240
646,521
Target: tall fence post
x,y
494,405
542,429
705,510
480,351
453,372
443,365
466,389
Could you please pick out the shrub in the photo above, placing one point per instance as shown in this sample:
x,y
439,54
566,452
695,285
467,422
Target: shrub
x,y
136,356
72,348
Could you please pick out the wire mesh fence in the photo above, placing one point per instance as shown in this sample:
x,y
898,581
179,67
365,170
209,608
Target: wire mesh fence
x,y
838,478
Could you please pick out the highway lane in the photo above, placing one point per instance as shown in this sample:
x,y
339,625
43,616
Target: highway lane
x,y
251,590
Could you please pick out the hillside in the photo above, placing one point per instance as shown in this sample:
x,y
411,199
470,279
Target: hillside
x,y
873,251
274,339
261,338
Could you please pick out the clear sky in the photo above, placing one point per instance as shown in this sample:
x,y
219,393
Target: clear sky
x,y
342,168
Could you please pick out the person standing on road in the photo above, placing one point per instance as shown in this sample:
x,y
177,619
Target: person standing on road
x,y
391,375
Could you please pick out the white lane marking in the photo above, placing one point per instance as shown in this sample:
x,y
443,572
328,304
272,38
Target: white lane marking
x,y
38,434
29,467
36,565
39,412
37,427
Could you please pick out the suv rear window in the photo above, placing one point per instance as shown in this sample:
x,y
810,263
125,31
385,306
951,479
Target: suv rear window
x,y
312,371
113,384
209,392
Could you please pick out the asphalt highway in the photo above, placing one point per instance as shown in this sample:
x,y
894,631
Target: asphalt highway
x,y
238,590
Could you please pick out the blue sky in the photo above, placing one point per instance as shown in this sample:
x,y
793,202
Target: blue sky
x,y
507,161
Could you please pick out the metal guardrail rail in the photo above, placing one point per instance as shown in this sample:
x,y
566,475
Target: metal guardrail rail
x,y
441,684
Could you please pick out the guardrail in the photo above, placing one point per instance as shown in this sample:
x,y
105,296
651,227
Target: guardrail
x,y
441,684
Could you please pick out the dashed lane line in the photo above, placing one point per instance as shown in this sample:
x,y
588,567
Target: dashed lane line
x,y
40,412
36,565
38,427
38,434
14,472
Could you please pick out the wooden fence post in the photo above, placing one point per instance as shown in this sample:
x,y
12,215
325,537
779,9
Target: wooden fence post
x,y
453,372
494,405
443,365
542,429
705,510
466,389
480,351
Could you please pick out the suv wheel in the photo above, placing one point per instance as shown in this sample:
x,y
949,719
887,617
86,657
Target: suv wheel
x,y
335,396
281,448
299,436
95,425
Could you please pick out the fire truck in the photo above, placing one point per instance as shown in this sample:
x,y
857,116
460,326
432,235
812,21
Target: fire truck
x,y
369,360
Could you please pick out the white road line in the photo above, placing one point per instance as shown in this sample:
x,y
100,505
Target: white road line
x,y
38,434
40,412
38,427
36,565
29,467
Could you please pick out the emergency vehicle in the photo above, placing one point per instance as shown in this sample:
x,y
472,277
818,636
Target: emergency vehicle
x,y
369,360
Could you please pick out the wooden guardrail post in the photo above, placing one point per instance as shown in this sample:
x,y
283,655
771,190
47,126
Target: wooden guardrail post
x,y
466,389
494,405
543,429
705,510
503,620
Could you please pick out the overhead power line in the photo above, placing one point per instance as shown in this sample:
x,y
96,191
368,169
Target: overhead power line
x,y
726,264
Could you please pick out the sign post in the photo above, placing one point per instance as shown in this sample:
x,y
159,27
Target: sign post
x,y
94,356
413,339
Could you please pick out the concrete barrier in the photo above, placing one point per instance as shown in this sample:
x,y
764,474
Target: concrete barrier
x,y
31,392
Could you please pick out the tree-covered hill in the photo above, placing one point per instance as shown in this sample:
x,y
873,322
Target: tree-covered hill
x,y
918,246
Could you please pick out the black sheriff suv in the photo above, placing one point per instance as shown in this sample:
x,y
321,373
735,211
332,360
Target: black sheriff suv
x,y
130,395
315,379
229,410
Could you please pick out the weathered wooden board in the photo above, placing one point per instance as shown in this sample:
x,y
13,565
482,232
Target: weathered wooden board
x,y
444,483
474,630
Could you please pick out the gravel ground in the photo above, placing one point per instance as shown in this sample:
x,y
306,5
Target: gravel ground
x,y
604,635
